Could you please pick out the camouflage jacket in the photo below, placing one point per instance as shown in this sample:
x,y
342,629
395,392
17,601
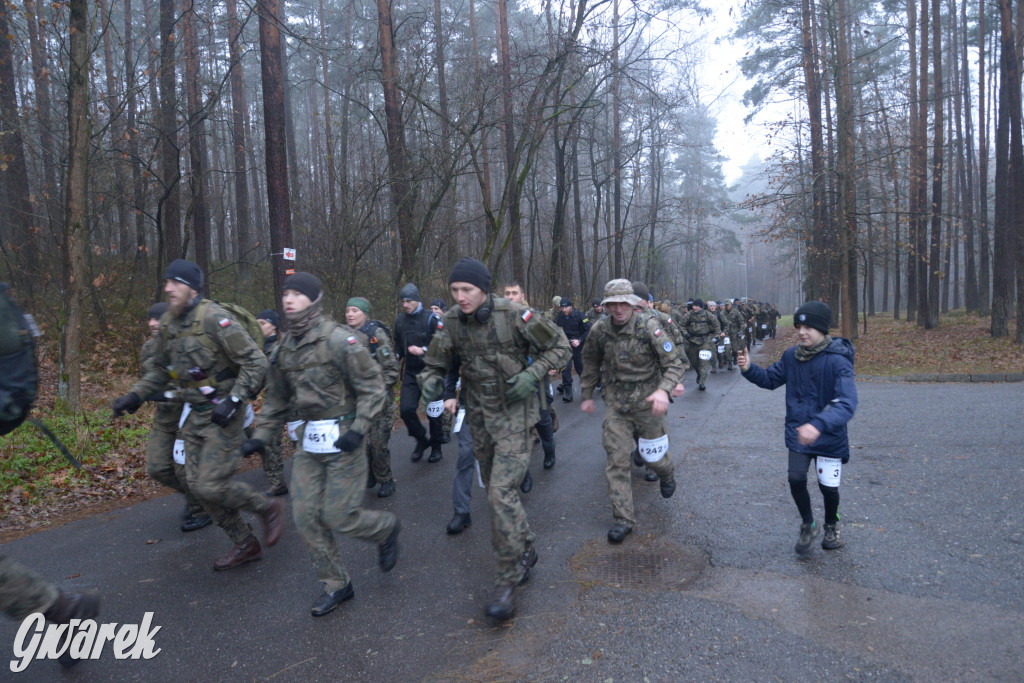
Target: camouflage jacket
x,y
513,339
203,359
733,323
378,342
327,373
668,322
700,326
164,408
636,360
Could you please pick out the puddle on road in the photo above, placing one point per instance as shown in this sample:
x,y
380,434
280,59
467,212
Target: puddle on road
x,y
642,563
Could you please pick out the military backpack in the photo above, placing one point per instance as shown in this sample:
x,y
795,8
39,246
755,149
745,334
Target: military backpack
x,y
18,377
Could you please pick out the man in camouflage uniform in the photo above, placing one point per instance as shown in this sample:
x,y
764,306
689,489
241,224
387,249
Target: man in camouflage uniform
x,y
495,341
160,464
699,328
216,367
378,342
641,368
716,341
773,320
24,592
324,375
761,320
733,329
273,463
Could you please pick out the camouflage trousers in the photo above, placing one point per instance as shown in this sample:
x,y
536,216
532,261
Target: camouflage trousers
x,y
619,438
377,452
211,459
273,463
700,366
501,442
327,490
160,465
22,591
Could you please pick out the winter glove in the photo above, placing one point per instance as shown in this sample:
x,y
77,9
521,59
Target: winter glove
x,y
431,389
523,385
250,446
349,441
128,403
224,411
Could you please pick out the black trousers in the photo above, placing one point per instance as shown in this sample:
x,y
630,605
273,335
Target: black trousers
x,y
408,403
577,361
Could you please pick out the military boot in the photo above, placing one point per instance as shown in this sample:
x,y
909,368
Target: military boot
x,y
435,454
549,460
273,522
527,484
388,550
70,606
387,489
460,522
196,521
503,603
328,601
618,532
668,485
527,561
248,550
417,453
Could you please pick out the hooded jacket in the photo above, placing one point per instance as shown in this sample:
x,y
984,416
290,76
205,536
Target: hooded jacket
x,y
819,391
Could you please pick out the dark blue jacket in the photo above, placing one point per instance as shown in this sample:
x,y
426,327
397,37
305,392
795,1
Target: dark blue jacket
x,y
820,391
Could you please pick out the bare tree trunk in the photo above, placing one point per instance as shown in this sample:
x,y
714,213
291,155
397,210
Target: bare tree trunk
x,y
819,223
277,160
20,216
845,143
400,190
616,143
289,118
239,142
196,133
508,128
332,178
131,113
965,164
41,83
931,319
921,163
76,226
984,267
168,207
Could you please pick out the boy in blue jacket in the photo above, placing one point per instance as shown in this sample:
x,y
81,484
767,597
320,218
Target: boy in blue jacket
x,y
820,399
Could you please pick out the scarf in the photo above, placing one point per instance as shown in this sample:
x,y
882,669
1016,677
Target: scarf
x,y
805,353
302,322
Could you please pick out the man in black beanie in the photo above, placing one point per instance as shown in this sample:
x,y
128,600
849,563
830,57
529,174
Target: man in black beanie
x,y
165,452
504,350
414,328
215,367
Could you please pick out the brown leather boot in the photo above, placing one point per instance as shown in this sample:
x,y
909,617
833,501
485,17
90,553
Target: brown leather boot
x,y
273,522
247,551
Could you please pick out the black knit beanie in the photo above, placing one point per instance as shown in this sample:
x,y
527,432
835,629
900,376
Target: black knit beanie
x,y
440,304
816,314
472,271
698,302
304,283
270,316
157,310
410,292
640,289
186,272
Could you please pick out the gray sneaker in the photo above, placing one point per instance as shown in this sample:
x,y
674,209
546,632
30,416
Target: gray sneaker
x,y
832,538
808,534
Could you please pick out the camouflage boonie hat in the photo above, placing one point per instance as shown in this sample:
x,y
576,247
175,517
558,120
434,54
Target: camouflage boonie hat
x,y
620,291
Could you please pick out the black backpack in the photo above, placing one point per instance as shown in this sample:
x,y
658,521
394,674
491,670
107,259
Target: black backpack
x,y
18,376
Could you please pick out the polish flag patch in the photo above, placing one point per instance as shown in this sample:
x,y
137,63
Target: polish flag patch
x,y
527,315
224,322
351,340
657,332
440,324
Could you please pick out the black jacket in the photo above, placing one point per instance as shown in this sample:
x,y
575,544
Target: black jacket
x,y
414,330
574,325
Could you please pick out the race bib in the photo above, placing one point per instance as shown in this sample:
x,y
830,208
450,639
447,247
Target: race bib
x,y
764,327
653,450
185,410
726,341
293,429
179,451
457,427
250,415
830,471
435,408
721,348
320,436
704,354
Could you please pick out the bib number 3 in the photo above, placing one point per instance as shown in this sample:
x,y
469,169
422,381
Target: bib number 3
x,y
830,471
320,436
653,450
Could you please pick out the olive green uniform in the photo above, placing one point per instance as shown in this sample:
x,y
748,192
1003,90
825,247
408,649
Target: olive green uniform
x,y
492,353
160,464
377,451
208,355
327,374
22,591
637,359
733,327
699,328
271,457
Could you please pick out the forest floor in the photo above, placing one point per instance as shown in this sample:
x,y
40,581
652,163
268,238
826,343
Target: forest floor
x,y
39,490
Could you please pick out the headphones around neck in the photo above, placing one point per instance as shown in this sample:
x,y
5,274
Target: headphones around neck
x,y
481,315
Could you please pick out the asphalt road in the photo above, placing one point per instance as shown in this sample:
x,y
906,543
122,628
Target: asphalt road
x,y
930,584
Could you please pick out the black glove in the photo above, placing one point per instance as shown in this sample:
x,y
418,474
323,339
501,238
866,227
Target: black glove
x,y
225,410
349,441
250,446
128,403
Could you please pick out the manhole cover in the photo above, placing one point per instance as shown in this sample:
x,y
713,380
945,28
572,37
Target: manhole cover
x,y
648,563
